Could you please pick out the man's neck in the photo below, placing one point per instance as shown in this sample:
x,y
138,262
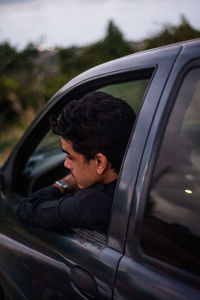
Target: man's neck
x,y
110,175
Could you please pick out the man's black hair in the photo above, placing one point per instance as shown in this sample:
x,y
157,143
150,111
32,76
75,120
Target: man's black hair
x,y
97,123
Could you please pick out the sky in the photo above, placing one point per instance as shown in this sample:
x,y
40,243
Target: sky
x,y
66,23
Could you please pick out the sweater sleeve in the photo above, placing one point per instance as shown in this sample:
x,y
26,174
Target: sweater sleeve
x,y
41,209
49,208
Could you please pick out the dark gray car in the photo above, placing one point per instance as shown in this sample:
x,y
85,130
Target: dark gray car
x,y
152,247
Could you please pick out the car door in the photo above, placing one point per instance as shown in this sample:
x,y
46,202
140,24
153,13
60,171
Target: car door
x,y
162,254
76,263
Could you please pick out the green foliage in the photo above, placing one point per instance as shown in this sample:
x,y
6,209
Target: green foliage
x,y
28,78
172,34
53,83
9,83
68,59
111,47
76,60
114,45
17,81
8,56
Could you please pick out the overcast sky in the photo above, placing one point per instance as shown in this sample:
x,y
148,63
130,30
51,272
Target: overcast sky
x,y
81,22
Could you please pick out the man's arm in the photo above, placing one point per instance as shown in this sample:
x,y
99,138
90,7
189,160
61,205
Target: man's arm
x,y
42,207
51,209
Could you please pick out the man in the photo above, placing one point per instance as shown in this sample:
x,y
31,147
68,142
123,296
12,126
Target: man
x,y
94,134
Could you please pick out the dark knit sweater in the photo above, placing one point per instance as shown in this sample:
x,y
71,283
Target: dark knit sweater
x,y
49,208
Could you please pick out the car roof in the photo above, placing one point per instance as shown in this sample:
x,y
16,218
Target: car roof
x,y
127,62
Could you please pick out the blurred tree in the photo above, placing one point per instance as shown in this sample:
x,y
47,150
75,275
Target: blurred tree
x,y
17,77
172,34
67,58
28,78
8,56
111,47
114,45
8,86
75,60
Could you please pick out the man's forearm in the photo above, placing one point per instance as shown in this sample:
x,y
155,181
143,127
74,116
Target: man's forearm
x,y
40,208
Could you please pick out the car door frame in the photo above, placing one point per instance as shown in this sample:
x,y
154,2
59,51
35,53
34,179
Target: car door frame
x,y
146,276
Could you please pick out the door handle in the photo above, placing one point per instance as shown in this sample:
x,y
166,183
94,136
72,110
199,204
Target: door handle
x,y
83,283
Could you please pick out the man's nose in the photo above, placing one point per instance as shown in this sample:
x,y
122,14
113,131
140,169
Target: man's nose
x,y
67,163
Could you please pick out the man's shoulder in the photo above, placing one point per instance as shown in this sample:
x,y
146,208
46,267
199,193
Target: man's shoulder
x,y
89,192
102,190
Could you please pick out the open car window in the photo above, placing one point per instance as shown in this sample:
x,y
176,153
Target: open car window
x,y
45,165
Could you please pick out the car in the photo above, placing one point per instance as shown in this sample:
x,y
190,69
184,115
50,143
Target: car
x,y
152,247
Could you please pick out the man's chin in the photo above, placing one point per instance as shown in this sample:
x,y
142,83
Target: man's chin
x,y
80,186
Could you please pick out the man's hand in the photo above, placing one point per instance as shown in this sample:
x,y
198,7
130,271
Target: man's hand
x,y
71,183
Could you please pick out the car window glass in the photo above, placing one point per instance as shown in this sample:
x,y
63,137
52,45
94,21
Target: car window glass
x,y
132,92
171,229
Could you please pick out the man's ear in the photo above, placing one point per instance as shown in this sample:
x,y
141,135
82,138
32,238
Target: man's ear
x,y
101,163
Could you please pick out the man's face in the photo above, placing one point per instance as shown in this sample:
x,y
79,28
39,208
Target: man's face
x,y
85,172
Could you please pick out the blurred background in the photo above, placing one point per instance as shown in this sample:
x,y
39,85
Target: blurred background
x,y
45,43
